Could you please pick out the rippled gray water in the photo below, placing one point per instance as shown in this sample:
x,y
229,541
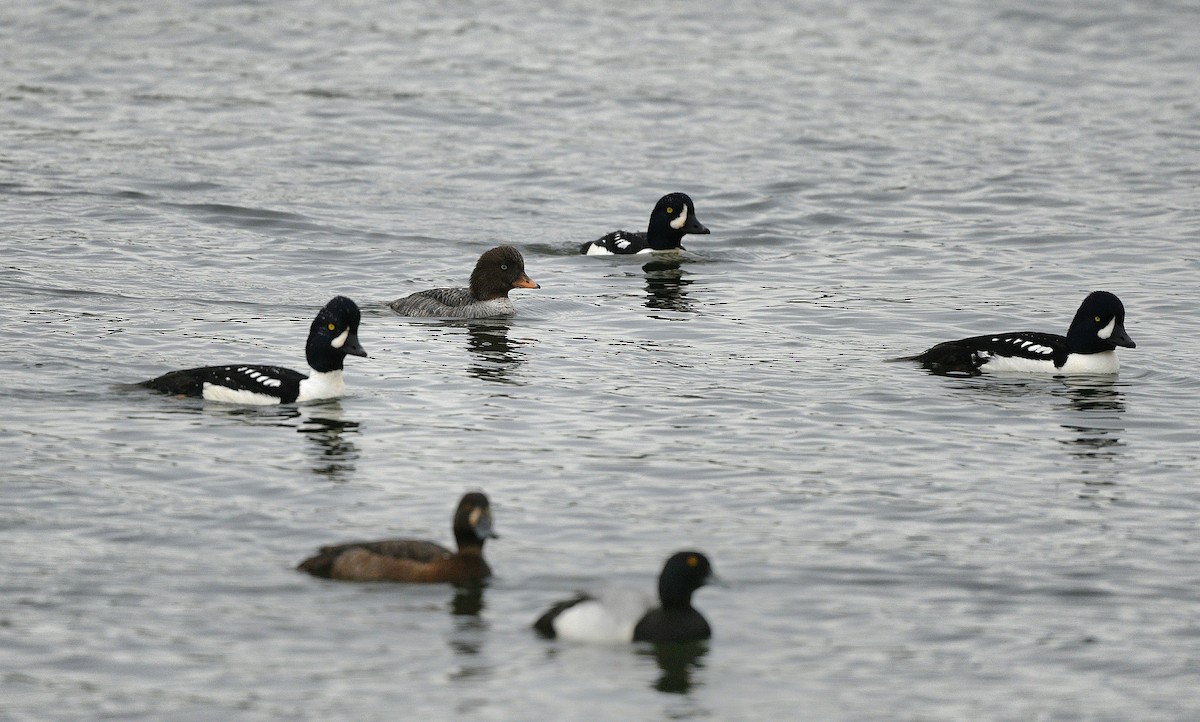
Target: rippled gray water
x,y
186,183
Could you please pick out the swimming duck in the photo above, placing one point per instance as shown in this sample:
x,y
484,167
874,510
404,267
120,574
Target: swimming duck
x,y
1088,348
621,616
673,217
411,560
497,272
333,336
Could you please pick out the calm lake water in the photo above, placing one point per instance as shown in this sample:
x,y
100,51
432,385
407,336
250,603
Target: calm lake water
x,y
186,183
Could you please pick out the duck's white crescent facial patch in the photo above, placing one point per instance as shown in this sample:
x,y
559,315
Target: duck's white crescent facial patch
x,y
682,219
340,340
1107,330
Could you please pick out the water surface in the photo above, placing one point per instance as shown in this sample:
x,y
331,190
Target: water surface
x,y
187,183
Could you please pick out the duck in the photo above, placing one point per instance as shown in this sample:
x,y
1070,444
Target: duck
x,y
332,337
673,217
1088,348
498,271
628,616
412,560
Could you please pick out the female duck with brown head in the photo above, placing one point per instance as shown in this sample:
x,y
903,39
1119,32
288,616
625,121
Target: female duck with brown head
x,y
412,560
497,272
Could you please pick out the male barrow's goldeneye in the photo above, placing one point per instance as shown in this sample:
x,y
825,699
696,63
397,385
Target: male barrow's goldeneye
x,y
673,217
626,616
333,335
497,272
412,560
1088,348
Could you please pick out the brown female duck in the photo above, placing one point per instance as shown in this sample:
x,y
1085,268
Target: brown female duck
x,y
497,272
411,560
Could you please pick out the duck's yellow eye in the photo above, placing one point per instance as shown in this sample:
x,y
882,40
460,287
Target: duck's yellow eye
x,y
693,561
333,326
670,209
1097,319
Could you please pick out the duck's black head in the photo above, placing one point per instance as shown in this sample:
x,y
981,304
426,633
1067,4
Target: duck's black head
x,y
473,521
334,335
499,271
1099,325
673,217
684,573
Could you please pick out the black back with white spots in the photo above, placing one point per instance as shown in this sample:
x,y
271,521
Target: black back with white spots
x,y
968,355
618,243
275,381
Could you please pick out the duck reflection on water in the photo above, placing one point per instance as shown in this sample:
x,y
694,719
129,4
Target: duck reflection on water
x,y
666,286
494,355
677,661
1095,427
468,634
336,454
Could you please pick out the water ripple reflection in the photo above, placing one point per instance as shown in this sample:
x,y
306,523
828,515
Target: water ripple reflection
x,y
334,453
494,355
678,664
191,179
666,287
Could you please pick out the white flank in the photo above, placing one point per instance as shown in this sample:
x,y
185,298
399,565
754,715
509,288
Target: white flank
x,y
609,619
328,385
1019,364
1077,363
340,340
495,308
682,219
1105,332
598,250
212,392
